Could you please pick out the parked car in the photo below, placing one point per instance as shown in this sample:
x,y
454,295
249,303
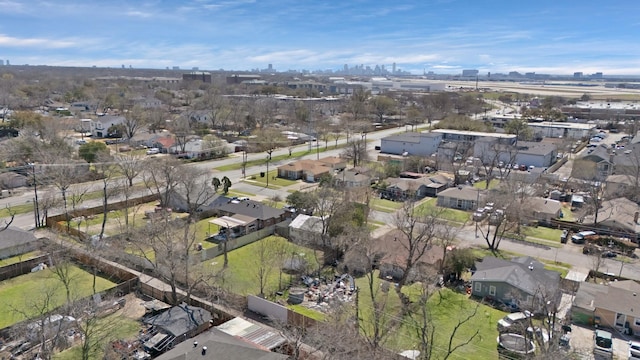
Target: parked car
x,y
603,344
507,322
153,151
609,254
580,237
634,350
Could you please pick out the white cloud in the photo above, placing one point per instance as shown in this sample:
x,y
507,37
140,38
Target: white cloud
x,y
35,42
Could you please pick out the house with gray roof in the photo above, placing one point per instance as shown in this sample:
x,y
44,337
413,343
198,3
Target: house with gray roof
x,y
403,188
264,214
411,144
613,306
522,280
15,241
620,215
461,197
541,209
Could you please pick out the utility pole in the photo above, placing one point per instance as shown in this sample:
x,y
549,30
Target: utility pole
x,y
268,159
36,207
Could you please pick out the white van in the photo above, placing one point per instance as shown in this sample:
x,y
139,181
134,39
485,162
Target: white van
x,y
580,237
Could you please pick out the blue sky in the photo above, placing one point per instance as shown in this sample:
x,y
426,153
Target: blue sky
x,y
444,36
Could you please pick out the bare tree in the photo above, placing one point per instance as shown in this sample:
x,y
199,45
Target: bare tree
x,y
161,177
264,258
356,151
419,232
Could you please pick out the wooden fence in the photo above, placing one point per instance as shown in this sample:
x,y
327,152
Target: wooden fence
x,y
212,252
23,267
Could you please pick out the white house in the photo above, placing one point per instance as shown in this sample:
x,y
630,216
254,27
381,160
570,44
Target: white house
x,y
101,125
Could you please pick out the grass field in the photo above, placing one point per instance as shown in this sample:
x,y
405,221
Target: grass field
x,y
21,295
274,181
457,216
544,233
241,276
483,184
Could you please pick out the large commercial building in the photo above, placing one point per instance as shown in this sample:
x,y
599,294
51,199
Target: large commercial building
x,y
411,144
550,129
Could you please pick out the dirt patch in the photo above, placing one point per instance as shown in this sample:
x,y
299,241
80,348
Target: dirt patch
x,y
133,308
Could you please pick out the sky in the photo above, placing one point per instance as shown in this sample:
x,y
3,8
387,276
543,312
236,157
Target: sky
x,y
443,36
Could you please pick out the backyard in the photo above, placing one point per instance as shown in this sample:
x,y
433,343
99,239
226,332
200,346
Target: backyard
x,y
445,308
22,295
241,275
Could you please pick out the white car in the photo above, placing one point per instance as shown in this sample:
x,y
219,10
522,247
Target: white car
x,y
508,321
634,350
153,151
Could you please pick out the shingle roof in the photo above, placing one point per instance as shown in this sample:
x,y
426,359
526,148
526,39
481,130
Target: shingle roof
x,y
463,193
249,208
11,237
524,273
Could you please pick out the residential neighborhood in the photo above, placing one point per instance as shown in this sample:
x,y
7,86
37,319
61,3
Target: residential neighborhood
x,y
247,218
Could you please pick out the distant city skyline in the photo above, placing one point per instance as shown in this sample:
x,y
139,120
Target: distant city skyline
x,y
441,36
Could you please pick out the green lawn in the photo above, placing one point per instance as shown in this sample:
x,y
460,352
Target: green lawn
x,y
567,214
17,209
544,233
19,258
429,207
483,184
274,180
238,193
445,309
111,328
20,296
204,228
385,205
241,276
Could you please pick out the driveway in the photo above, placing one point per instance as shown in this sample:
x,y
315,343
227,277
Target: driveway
x,y
582,343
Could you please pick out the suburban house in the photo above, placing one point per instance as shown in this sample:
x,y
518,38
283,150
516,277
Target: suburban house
x,y
335,163
390,251
264,214
460,197
176,325
145,102
522,280
100,126
218,345
613,306
15,241
352,178
403,188
541,209
597,164
199,148
305,229
411,144
164,143
619,214
307,170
